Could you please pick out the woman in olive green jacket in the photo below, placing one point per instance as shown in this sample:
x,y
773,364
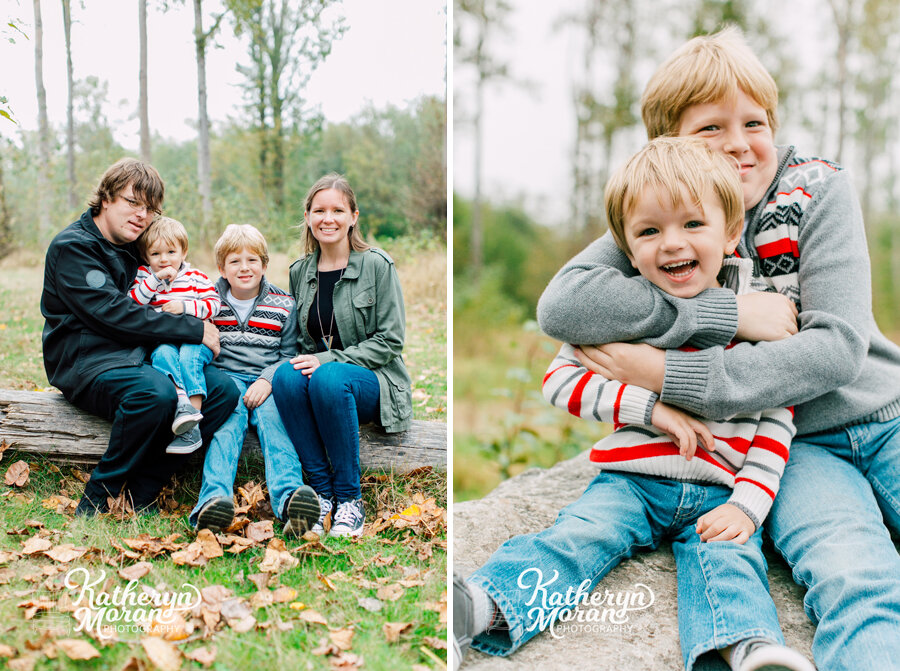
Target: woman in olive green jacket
x,y
350,369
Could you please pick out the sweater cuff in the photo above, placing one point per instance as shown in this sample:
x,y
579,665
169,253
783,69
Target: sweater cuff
x,y
636,405
686,380
755,502
717,318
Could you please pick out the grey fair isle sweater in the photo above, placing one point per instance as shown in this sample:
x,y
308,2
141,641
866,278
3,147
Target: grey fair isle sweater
x,y
807,240
262,342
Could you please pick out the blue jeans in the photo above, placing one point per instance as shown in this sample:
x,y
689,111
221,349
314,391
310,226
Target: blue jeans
x,y
184,365
283,473
723,594
322,414
839,494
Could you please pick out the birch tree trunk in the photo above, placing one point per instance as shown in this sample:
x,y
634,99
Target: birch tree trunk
x,y
204,176
70,117
142,98
43,127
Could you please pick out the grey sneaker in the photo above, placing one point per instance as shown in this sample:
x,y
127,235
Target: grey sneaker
x,y
463,619
301,511
187,417
187,442
217,514
349,518
325,508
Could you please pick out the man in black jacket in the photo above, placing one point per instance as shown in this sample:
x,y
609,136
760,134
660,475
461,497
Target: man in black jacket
x,y
96,340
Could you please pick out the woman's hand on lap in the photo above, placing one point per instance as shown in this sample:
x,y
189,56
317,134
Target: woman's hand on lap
x,y
305,363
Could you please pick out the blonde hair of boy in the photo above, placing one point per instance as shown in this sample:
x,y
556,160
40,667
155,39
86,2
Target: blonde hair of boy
x,y
706,69
169,231
676,167
237,237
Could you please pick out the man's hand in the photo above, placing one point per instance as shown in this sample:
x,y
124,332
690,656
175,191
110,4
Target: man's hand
x,y
640,365
167,274
173,307
725,523
305,363
257,393
765,316
211,338
684,430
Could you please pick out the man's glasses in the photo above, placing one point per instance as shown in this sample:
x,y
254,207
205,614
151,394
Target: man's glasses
x,y
137,205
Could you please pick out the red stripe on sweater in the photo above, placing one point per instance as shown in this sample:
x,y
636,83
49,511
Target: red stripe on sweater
x,y
757,484
574,406
772,446
783,246
648,451
264,325
616,404
736,443
551,372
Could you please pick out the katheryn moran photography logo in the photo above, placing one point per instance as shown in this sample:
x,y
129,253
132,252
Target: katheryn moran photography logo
x,y
579,610
132,609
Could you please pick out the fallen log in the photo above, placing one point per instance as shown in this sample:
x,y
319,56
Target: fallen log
x,y
41,422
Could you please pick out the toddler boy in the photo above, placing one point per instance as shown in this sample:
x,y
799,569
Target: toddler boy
x,y
676,209
169,284
257,332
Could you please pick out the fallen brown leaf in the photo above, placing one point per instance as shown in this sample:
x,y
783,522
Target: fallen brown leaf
x,y
342,638
192,555
7,650
77,648
326,581
370,604
435,642
346,661
392,630
261,599
162,654
260,532
134,664
208,544
284,594
390,592
135,571
81,475
23,663
34,606
17,474
6,574
201,655
277,558
66,552
313,617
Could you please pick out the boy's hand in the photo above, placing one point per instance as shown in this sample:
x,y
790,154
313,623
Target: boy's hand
x,y
305,363
637,364
684,430
257,393
211,338
765,316
167,274
725,523
174,307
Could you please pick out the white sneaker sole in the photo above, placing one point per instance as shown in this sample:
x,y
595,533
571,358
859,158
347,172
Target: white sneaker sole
x,y
184,423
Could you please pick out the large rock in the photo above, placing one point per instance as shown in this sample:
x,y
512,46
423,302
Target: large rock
x,y
649,640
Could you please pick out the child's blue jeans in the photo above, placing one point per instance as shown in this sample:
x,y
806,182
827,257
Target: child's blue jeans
x,y
283,473
184,365
723,593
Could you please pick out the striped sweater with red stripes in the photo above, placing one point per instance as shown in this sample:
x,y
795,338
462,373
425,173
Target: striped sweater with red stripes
x,y
191,286
264,340
751,448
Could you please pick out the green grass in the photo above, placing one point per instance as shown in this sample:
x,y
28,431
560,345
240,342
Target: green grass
x,y
348,563
21,363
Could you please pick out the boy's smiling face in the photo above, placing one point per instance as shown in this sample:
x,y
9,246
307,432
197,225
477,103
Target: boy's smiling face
x,y
243,271
737,128
678,248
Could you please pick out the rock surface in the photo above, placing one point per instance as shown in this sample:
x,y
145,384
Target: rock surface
x,y
649,640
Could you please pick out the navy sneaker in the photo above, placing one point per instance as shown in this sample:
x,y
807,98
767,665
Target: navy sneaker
x,y
186,443
325,508
88,508
348,519
217,514
302,511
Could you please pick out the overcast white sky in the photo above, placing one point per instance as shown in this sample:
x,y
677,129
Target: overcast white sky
x,y
393,52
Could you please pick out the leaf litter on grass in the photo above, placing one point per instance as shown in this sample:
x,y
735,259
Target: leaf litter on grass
x,y
415,522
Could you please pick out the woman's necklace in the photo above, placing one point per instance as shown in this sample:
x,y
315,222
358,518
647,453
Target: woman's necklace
x,y
326,337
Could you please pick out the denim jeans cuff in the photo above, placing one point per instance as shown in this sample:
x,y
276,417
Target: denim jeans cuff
x,y
501,641
720,642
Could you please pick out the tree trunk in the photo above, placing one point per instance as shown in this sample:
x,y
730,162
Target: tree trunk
x,y
70,117
477,232
43,178
142,77
5,221
204,176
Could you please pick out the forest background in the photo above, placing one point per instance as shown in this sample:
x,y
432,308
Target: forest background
x,y
547,103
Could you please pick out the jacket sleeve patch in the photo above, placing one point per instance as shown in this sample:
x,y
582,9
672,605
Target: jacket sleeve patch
x,y
95,279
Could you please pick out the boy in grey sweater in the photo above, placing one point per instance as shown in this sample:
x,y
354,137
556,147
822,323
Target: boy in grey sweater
x,y
803,230
258,332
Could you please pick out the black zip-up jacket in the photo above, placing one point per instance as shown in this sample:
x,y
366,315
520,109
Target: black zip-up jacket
x,y
92,325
